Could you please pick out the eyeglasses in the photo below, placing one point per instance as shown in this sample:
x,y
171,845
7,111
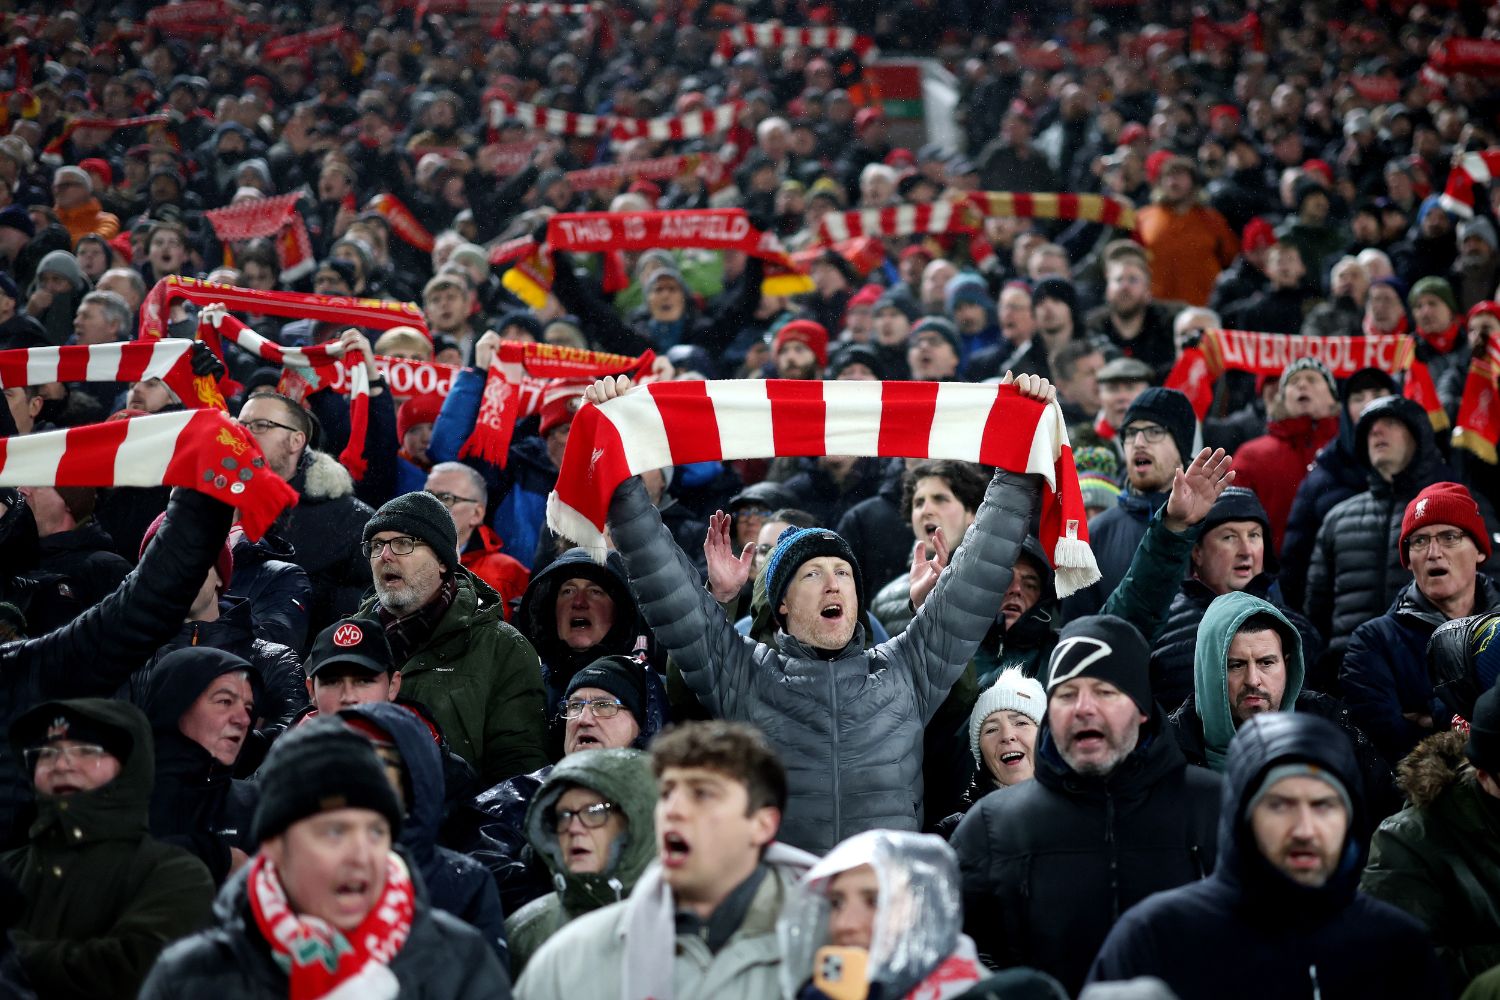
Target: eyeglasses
x,y
77,754
450,499
592,817
1445,539
749,511
259,427
1153,433
401,545
603,708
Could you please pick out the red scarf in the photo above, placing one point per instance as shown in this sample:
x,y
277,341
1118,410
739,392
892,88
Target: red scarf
x,y
772,35
520,380
277,218
374,313
55,147
201,450
322,961
676,423
1478,427
403,222
966,215
1473,170
168,360
673,128
1442,341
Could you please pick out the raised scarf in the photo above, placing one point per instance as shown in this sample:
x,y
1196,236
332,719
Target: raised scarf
x,y
773,35
274,218
169,360
668,128
201,450
520,379
1474,170
54,148
403,221
1477,430
376,314
678,423
322,962
1218,351
965,215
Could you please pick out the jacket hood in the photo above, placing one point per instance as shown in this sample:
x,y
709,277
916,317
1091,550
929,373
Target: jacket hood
x,y
176,680
623,777
1264,742
917,923
1211,673
538,605
320,477
119,810
1437,763
423,762
1424,459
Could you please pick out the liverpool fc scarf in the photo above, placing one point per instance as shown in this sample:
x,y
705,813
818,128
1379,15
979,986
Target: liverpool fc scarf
x,y
201,450
374,313
168,360
519,381
1218,351
675,423
772,35
215,325
1478,428
322,962
403,222
276,218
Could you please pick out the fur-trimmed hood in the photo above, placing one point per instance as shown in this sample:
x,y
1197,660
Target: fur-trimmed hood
x,y
320,477
1437,763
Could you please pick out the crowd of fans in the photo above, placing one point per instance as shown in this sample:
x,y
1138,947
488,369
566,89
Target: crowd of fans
x,y
816,727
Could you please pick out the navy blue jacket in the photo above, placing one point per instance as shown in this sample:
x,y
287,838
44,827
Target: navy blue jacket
x,y
1249,931
1114,536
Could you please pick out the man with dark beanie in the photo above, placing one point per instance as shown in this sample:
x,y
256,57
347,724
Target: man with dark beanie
x,y
1156,438
326,907
848,721
1114,815
475,673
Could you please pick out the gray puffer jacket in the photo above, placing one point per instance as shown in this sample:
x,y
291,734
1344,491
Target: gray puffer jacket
x,y
849,729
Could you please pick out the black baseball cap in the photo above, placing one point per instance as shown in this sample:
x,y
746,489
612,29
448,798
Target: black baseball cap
x,y
359,642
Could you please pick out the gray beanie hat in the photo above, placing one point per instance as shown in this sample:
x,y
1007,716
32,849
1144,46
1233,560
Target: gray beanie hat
x,y
63,263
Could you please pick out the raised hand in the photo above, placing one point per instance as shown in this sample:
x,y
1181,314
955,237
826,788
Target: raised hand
x,y
1196,488
727,572
925,571
607,388
1032,387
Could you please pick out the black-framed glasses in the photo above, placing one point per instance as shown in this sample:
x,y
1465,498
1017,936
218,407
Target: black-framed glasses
x,y
1153,433
449,499
1445,540
262,426
401,545
77,754
592,817
603,708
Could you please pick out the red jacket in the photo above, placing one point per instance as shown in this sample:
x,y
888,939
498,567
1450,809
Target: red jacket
x,y
485,560
1274,464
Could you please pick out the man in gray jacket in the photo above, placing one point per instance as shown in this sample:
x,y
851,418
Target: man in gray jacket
x,y
848,721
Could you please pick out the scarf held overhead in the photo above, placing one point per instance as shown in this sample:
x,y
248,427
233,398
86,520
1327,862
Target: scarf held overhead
x,y
203,450
373,313
676,423
1478,428
275,218
168,360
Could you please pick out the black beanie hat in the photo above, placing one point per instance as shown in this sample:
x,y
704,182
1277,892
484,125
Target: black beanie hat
x,y
1366,379
1060,289
1105,647
320,766
1172,410
1239,504
622,677
422,516
1483,748
346,271
796,546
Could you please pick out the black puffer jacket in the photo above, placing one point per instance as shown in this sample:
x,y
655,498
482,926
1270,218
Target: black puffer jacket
x,y
1356,570
1335,476
1175,645
1249,931
278,590
1049,865
97,652
284,685
325,531
86,557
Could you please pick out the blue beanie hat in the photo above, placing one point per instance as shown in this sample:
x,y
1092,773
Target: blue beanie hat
x,y
796,546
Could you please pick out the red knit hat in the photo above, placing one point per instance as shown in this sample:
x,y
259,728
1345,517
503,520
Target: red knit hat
x,y
417,410
1258,235
1155,162
1445,503
1483,308
559,407
223,562
807,332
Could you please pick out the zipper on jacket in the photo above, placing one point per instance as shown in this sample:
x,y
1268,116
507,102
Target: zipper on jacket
x,y
833,732
1114,857
1312,975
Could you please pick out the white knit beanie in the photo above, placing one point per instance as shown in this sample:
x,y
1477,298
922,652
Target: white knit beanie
x,y
1012,691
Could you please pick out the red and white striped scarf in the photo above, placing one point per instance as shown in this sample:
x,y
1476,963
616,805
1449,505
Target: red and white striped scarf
x,y
693,125
277,218
675,423
771,35
202,450
322,358
54,148
1474,171
612,175
376,314
168,360
966,215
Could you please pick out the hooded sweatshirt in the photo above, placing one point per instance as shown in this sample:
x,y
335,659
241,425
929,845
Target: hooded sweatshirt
x,y
102,897
1211,671
620,776
456,883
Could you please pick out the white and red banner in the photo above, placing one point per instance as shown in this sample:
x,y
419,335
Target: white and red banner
x,y
168,360
274,218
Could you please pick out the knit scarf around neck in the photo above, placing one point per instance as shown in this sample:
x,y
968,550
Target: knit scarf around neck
x,y
407,634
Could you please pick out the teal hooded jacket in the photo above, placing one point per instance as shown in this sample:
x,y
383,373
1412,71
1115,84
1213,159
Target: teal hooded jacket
x,y
1211,672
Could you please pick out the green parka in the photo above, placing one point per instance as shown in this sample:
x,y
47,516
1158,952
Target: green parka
x,y
622,777
102,897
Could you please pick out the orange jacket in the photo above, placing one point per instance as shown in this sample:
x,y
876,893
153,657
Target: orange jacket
x,y
88,218
485,560
1188,250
